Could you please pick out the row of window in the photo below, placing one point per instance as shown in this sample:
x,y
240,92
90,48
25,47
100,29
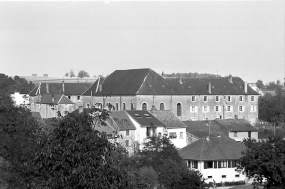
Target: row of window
x,y
217,98
223,176
219,108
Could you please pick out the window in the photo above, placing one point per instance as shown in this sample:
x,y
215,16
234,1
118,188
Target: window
x,y
161,106
224,176
193,98
252,108
132,106
127,143
229,98
193,109
144,106
249,134
179,109
150,131
208,164
217,98
205,98
236,176
217,108
205,109
209,177
240,108
195,164
127,132
117,106
172,135
193,118
223,164
124,106
229,108
78,97
69,97
240,98
181,135
235,134
252,98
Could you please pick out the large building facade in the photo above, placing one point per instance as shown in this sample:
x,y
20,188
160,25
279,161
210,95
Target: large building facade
x,y
188,98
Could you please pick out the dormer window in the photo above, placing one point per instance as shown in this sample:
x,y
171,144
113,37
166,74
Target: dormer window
x,y
78,97
229,98
205,98
138,116
147,115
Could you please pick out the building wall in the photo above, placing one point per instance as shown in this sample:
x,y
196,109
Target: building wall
x,y
178,142
48,111
131,138
171,101
217,173
240,136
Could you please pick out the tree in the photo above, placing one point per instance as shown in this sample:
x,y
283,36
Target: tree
x,y
10,85
266,159
66,74
162,155
75,155
19,133
82,74
71,73
260,84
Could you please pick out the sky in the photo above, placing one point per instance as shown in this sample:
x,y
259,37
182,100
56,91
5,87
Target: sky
x,y
242,38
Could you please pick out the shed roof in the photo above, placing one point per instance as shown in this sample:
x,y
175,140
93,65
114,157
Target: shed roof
x,y
213,148
145,118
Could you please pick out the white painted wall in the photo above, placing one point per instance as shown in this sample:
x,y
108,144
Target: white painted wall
x,y
178,142
240,136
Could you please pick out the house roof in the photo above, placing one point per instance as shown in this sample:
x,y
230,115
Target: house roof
x,y
144,118
70,89
54,99
168,118
123,120
200,128
147,82
236,125
213,148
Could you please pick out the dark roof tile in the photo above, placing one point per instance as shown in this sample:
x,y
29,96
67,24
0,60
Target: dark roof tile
x,y
168,118
145,118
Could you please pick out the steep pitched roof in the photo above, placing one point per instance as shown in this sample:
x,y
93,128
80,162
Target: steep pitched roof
x,y
238,125
122,119
148,82
200,128
94,87
168,118
144,118
213,148
219,86
70,89
54,99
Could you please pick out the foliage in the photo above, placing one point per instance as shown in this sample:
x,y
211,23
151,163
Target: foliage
x,y
71,73
19,133
266,159
66,74
82,74
10,85
75,155
160,154
260,84
193,75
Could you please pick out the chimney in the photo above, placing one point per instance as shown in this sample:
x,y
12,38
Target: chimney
x,y
245,87
180,79
47,87
63,86
230,78
210,88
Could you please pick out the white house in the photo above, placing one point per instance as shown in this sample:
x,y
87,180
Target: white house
x,y
20,99
216,158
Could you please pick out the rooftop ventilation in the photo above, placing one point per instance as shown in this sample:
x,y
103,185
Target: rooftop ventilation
x,y
137,116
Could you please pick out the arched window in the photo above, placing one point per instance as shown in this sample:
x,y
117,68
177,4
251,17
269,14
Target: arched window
x,y
144,106
179,109
161,106
132,106
117,106
124,106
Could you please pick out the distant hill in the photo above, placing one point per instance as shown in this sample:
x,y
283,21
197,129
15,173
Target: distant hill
x,y
193,75
42,79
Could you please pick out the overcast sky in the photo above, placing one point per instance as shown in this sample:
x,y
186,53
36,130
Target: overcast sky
x,y
242,38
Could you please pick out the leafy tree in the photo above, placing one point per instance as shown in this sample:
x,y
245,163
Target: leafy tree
x,y
10,85
162,155
266,159
75,155
71,73
82,74
66,74
260,84
19,133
